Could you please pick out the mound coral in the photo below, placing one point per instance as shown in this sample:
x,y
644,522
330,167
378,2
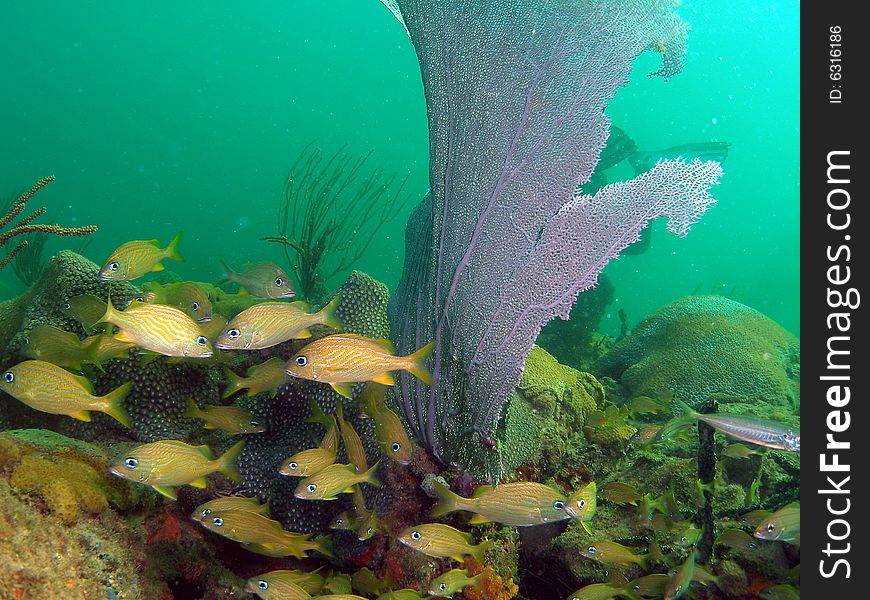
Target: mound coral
x,y
700,346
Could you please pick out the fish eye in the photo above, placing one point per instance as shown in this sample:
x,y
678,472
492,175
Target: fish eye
x,y
558,505
311,488
217,521
233,333
279,282
635,587
201,340
206,512
581,503
415,535
131,463
255,424
369,530
592,550
139,299
395,447
9,376
442,587
67,306
752,545
196,306
114,266
263,585
301,361
293,466
339,521
770,528
684,539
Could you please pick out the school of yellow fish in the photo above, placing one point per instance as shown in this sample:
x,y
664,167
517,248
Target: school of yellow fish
x,y
177,320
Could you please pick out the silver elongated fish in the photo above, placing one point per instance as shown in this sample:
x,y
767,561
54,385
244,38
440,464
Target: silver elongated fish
x,y
772,434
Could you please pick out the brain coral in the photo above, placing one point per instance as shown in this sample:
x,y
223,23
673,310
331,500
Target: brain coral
x,y
701,346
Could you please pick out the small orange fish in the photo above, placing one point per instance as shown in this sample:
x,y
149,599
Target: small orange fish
x,y
443,541
51,389
134,259
333,480
344,359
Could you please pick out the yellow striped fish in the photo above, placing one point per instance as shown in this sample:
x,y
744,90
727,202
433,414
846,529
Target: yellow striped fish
x,y
582,504
356,454
185,295
443,541
310,582
343,359
269,587
307,462
228,503
162,329
134,259
261,534
518,504
262,280
266,377
389,431
234,420
51,389
86,309
444,586
334,480
169,463
284,585
56,346
271,323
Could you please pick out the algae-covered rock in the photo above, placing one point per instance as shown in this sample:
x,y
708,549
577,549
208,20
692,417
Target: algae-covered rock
x,y
700,346
67,476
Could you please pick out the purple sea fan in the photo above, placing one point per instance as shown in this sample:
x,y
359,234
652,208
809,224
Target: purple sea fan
x,y
516,92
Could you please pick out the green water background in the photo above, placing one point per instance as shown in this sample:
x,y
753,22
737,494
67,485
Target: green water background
x,y
165,116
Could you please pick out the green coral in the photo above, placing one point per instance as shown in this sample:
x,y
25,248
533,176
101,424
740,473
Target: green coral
x,y
68,476
553,388
700,346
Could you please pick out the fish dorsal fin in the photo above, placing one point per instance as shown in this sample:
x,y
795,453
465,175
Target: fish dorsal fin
x,y
205,451
85,383
481,490
155,243
386,345
301,305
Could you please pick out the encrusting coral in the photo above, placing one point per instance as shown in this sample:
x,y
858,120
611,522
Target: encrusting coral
x,y
65,475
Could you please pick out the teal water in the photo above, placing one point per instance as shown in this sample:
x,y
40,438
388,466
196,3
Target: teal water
x,y
160,117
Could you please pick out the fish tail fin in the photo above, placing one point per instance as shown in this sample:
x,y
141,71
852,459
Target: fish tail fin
x,y
229,272
479,550
327,314
172,249
228,462
417,368
192,411
687,411
235,383
447,500
317,414
110,313
371,477
114,404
